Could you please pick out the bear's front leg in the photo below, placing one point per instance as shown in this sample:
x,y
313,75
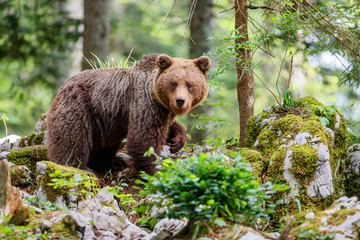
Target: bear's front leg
x,y
139,142
177,137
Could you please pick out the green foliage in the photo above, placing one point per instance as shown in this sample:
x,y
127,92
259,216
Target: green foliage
x,y
314,235
289,99
208,188
98,63
125,199
35,42
4,118
10,231
328,114
47,206
85,184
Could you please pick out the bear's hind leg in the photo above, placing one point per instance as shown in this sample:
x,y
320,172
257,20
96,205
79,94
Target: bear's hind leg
x,y
101,160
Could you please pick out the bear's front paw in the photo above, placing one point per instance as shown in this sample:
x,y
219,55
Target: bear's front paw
x,y
176,144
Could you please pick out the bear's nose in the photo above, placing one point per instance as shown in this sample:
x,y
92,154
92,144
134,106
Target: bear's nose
x,y
180,101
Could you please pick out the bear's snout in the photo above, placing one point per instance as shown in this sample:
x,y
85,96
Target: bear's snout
x,y
180,101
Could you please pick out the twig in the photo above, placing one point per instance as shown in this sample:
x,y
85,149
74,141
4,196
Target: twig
x,y
282,62
6,130
327,20
226,10
125,63
148,5
167,14
191,13
291,68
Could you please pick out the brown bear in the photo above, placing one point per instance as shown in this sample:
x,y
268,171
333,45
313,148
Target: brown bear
x,y
96,109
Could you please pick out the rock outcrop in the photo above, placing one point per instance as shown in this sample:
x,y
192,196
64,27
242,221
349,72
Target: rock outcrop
x,y
11,203
302,149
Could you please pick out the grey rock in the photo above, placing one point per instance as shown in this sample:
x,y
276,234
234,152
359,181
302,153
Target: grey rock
x,y
266,121
107,235
322,186
310,216
109,219
251,236
40,170
346,228
173,226
19,175
3,155
133,232
9,142
45,225
290,178
354,148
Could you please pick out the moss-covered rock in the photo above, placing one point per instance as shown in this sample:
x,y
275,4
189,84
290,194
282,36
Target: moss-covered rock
x,y
255,159
302,149
64,186
28,156
341,221
40,135
352,170
20,176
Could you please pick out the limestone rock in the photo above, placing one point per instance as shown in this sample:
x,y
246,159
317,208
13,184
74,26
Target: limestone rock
x,y
9,142
342,221
11,203
67,194
28,156
39,137
298,150
352,170
20,175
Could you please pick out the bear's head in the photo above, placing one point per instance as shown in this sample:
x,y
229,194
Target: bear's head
x,y
181,84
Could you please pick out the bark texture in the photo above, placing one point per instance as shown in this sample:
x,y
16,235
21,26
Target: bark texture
x,y
96,30
245,78
201,28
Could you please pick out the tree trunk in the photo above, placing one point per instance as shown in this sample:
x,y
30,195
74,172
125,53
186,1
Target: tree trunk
x,y
245,78
201,28
96,30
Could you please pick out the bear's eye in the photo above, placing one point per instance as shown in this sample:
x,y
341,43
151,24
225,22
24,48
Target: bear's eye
x,y
174,84
188,85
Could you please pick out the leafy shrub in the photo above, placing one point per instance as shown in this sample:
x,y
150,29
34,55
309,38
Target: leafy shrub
x,y
209,188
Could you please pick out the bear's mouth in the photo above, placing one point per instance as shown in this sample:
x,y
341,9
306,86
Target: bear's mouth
x,y
180,110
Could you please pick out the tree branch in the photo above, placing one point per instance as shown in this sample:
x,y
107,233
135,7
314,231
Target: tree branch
x,y
261,7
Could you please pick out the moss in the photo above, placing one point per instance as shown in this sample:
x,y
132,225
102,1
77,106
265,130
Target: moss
x,y
304,161
276,168
66,229
310,104
33,139
51,193
352,188
255,159
267,140
253,128
28,156
332,219
273,143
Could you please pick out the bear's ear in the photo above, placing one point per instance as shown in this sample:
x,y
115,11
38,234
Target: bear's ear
x,y
203,63
163,61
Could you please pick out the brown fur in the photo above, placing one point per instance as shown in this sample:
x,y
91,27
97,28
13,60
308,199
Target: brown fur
x,y
96,109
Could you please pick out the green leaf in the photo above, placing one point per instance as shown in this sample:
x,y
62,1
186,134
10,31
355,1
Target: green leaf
x,y
220,222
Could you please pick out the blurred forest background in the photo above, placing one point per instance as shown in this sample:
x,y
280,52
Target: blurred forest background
x,y
42,42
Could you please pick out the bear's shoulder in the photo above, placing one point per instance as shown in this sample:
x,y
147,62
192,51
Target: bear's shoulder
x,y
148,62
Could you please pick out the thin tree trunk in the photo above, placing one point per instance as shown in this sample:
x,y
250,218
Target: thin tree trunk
x,y
96,30
245,78
201,28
